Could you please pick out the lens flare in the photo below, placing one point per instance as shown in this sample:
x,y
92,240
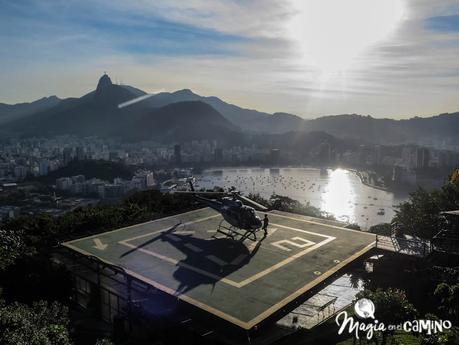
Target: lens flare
x,y
332,34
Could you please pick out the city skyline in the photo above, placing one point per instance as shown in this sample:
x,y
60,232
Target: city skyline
x,y
403,64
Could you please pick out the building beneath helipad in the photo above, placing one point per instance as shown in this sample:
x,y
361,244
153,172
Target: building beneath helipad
x,y
224,282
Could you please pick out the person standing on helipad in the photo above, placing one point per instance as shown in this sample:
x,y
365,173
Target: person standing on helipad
x,y
265,224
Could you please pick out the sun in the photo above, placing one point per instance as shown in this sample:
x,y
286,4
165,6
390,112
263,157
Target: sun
x,y
332,34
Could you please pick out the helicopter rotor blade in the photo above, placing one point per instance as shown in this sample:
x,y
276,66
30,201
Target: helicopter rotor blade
x,y
255,204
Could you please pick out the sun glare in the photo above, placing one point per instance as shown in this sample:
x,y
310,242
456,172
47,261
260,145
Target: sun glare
x,y
338,198
331,34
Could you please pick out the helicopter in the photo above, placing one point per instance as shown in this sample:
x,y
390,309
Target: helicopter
x,y
242,218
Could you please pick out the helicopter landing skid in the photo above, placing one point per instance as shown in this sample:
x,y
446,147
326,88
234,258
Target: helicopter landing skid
x,y
233,231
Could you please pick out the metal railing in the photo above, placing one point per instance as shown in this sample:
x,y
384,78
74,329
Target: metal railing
x,y
414,247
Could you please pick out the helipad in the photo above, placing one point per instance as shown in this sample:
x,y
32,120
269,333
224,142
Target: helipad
x,y
238,280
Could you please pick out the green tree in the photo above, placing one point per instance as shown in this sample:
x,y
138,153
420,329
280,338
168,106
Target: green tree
x,y
27,274
283,203
449,299
286,204
421,214
383,229
447,337
11,247
392,307
39,324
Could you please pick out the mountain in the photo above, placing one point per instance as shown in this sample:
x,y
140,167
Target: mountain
x,y
248,119
183,121
440,130
434,131
10,112
298,140
134,90
97,113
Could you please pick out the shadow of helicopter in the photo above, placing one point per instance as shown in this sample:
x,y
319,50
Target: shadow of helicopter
x,y
207,261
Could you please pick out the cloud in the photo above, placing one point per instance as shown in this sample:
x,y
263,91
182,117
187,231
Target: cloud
x,y
242,51
257,18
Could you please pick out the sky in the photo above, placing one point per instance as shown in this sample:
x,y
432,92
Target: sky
x,y
384,58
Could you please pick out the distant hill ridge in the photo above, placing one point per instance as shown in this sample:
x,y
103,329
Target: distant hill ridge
x,y
10,112
97,113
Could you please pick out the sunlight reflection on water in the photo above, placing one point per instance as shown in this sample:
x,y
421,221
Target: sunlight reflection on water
x,y
338,192
338,197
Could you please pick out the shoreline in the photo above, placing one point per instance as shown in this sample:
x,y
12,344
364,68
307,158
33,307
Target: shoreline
x,y
358,173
